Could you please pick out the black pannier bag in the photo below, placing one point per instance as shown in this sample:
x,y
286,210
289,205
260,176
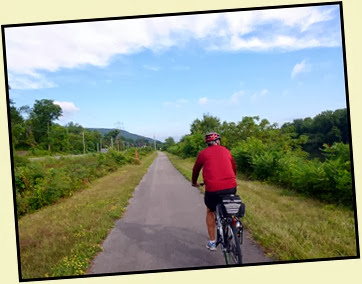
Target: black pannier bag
x,y
232,205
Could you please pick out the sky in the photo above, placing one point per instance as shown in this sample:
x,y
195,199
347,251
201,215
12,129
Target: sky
x,y
155,76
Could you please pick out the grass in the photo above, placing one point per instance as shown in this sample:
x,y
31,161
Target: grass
x,y
289,226
62,239
42,182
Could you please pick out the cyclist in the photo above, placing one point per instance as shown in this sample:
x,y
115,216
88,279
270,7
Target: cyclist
x,y
219,175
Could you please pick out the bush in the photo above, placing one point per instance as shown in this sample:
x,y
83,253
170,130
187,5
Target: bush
x,y
39,152
117,157
280,160
20,161
338,171
191,145
175,150
245,154
43,182
265,165
330,181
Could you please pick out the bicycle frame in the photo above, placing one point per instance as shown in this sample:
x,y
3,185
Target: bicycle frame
x,y
226,227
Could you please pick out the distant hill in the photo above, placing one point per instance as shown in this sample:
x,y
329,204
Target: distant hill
x,y
124,133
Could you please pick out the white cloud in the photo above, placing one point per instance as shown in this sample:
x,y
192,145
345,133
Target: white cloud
x,y
235,98
286,29
31,49
31,81
285,93
259,95
203,101
301,67
181,68
50,47
177,104
264,92
68,108
151,68
302,18
182,101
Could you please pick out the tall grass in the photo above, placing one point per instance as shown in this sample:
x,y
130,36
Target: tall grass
x,y
42,182
61,240
290,226
329,180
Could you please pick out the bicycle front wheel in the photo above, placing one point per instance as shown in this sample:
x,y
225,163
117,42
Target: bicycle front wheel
x,y
232,251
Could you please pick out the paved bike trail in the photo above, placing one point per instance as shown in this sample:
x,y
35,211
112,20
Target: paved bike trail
x,y
163,228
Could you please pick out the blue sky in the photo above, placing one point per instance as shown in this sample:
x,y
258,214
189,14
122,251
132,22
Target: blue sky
x,y
155,76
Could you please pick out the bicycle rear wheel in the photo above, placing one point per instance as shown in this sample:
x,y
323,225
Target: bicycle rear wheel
x,y
232,251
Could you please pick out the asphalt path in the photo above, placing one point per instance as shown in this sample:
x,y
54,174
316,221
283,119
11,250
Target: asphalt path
x,y
163,228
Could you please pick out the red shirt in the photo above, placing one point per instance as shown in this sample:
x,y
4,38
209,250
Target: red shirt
x,y
219,168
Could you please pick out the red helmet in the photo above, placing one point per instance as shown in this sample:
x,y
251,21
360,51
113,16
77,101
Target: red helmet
x,y
212,136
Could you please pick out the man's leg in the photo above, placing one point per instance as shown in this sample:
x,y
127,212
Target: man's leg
x,y
210,222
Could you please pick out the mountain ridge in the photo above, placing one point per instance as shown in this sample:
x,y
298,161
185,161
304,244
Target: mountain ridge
x,y
124,133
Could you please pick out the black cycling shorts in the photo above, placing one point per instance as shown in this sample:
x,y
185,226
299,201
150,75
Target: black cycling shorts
x,y
211,199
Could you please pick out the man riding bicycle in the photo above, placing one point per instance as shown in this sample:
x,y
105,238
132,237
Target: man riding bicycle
x,y
219,175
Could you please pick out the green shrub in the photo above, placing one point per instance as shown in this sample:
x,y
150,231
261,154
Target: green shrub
x,y
245,154
40,152
20,161
338,151
175,150
265,165
191,145
118,157
285,168
43,182
330,181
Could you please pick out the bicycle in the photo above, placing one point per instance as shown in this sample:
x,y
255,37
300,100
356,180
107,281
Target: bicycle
x,y
229,228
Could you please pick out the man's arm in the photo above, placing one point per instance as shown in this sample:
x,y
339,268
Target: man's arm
x,y
196,171
233,164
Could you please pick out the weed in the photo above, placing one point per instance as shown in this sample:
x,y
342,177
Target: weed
x,y
62,239
288,225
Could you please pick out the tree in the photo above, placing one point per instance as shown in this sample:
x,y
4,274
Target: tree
x,y
323,122
21,135
58,138
42,115
169,142
327,127
17,124
76,143
230,134
92,139
248,127
191,145
111,136
15,116
74,128
208,123
342,123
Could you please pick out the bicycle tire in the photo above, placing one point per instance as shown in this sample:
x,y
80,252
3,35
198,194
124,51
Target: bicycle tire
x,y
240,233
232,251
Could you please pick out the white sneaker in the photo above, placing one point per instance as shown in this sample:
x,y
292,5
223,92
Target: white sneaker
x,y
211,245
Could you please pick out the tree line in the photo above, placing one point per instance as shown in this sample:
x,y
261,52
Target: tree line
x,y
310,155
327,127
310,134
35,130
